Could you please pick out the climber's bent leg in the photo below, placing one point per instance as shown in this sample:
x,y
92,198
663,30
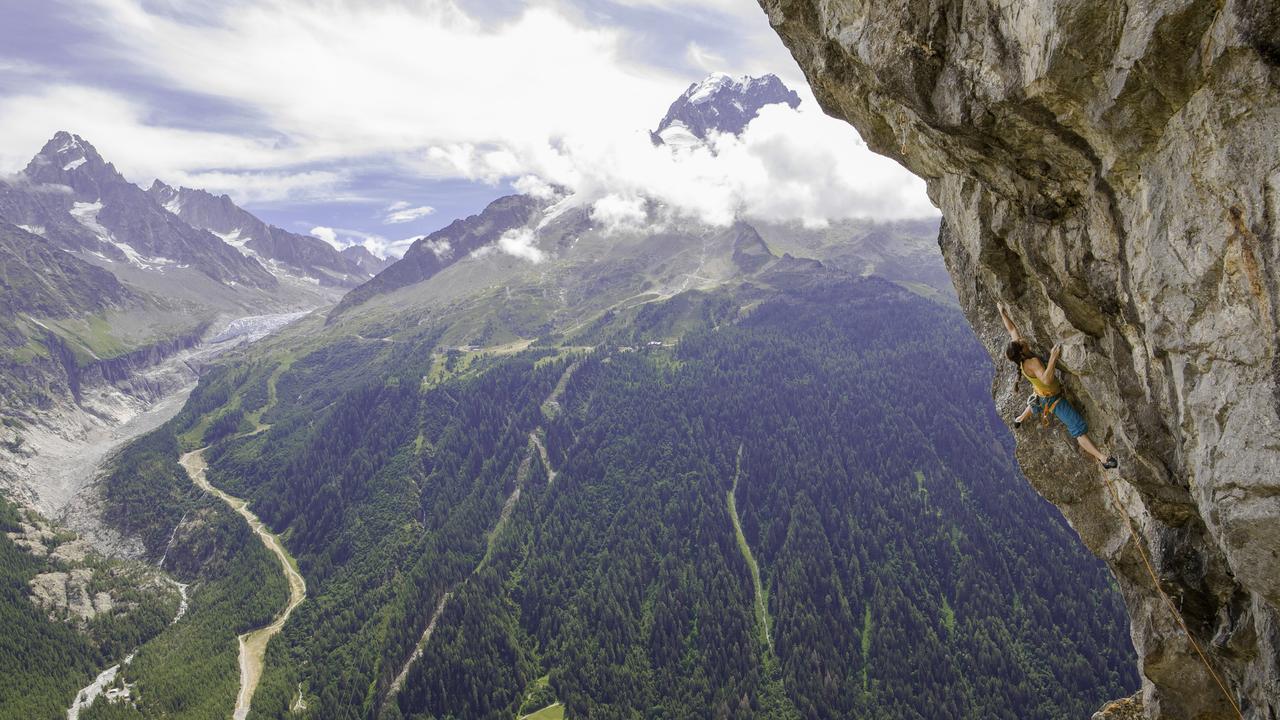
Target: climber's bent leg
x,y
1071,418
1078,427
1090,448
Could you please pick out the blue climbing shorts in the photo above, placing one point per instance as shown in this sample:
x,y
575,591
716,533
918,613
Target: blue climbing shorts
x,y
1068,415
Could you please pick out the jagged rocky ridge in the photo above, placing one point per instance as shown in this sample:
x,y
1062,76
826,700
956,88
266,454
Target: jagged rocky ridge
x,y
720,103
1111,171
431,254
106,302
72,197
309,256
368,263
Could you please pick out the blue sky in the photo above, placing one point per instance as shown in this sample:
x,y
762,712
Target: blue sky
x,y
381,120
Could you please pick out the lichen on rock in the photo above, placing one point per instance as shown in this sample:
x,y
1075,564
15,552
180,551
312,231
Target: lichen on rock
x,y
1112,172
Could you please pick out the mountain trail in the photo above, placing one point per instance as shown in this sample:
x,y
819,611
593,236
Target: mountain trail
x,y
546,459
761,603
522,474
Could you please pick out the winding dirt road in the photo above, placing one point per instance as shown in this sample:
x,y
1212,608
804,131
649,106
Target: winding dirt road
x,y
253,644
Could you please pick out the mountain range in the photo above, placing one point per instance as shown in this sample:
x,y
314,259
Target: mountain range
x,y
282,251
541,466
98,270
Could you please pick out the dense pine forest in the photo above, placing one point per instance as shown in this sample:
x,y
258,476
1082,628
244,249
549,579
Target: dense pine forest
x,y
905,569
41,660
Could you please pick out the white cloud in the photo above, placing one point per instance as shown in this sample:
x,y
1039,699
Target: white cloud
x,y
728,8
388,248
441,247
787,165
487,163
117,127
703,58
408,76
403,212
327,234
19,66
540,98
615,212
534,186
251,187
521,243
342,238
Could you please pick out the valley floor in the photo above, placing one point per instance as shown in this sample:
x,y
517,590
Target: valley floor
x,y
253,644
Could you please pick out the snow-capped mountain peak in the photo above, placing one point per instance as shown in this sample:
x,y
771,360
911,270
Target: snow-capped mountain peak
x,y
720,103
64,153
705,90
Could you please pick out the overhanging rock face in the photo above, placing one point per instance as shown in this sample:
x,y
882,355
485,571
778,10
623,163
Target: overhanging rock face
x,y
1111,171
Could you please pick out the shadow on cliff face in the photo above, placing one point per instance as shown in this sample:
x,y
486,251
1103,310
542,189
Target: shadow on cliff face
x,y
1260,25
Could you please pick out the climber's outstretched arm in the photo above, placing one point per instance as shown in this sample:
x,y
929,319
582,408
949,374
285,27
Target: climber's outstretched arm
x,y
1008,322
1047,374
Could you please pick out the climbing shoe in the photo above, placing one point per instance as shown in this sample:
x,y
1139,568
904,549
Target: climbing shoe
x,y
1017,424
1111,463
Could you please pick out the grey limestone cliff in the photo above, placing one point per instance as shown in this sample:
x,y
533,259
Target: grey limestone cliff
x,y
1111,171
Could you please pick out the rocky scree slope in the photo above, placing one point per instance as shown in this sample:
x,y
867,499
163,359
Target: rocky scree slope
x,y
1111,171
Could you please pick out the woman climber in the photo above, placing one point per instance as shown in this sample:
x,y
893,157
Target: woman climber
x,y
1048,397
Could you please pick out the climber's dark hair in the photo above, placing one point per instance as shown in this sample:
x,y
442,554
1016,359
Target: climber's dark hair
x,y
1017,351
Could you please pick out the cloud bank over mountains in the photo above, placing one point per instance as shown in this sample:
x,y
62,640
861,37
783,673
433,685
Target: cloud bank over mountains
x,y
279,101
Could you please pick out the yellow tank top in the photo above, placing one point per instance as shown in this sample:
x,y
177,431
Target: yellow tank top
x,y
1042,389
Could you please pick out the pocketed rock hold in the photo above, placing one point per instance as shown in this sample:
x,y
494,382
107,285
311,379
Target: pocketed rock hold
x,y
1112,172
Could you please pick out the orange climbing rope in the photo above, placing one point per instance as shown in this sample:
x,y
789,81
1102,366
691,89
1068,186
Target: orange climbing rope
x,y
1137,542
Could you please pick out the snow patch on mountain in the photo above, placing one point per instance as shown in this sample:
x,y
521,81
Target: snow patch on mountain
x,y
236,239
71,143
86,214
703,91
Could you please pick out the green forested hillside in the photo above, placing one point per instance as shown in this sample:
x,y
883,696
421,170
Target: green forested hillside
x,y
41,661
907,570
49,650
190,669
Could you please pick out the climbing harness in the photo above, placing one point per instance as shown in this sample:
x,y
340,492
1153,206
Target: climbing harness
x,y
1137,542
1046,411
